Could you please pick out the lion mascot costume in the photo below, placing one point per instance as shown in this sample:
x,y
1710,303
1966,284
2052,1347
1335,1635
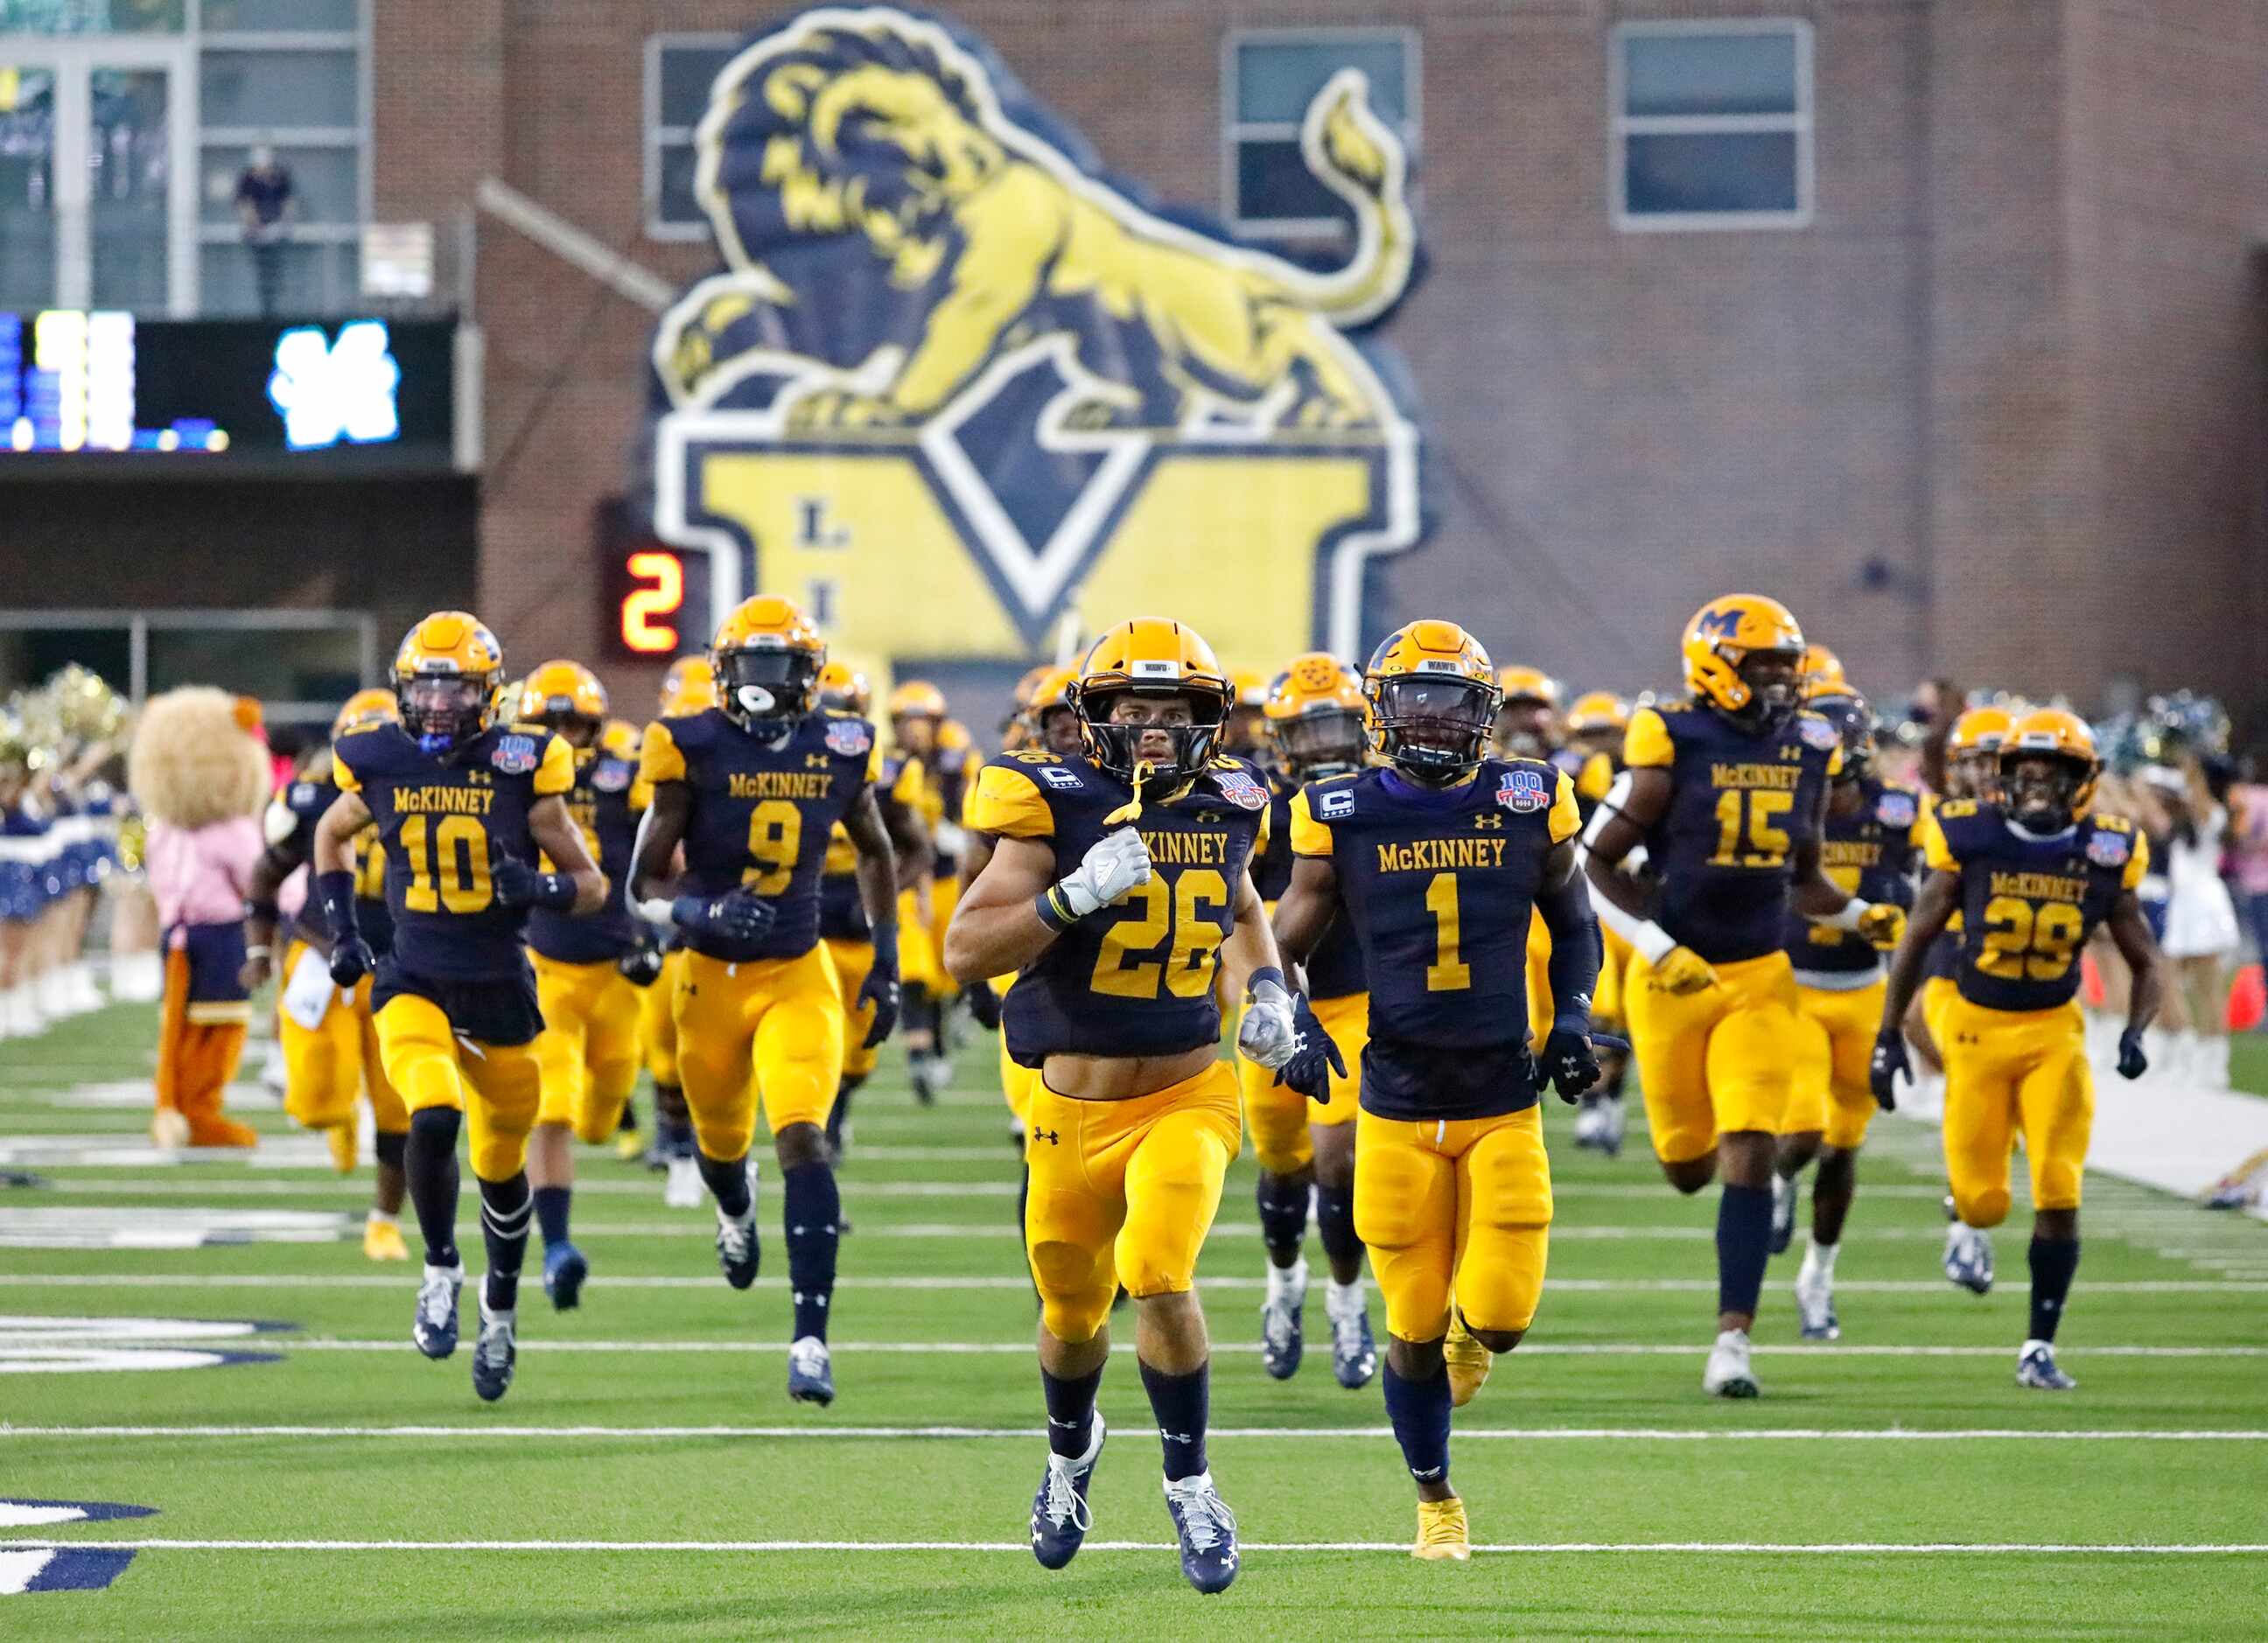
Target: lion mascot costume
x,y
199,769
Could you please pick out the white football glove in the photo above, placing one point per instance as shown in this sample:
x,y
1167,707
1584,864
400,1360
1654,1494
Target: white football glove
x,y
1268,1036
1117,863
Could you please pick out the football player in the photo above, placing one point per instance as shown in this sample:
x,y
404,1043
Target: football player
x,y
1438,861
1119,891
1246,735
1972,772
1316,719
841,915
1596,722
1869,846
586,968
2033,875
619,738
329,1044
464,807
1821,672
752,788
1528,723
917,718
1725,792
689,688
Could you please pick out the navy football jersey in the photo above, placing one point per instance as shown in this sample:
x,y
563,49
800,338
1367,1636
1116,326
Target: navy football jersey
x,y
763,813
2027,905
1440,885
1135,978
1334,970
305,799
841,911
1740,805
604,802
1872,854
444,823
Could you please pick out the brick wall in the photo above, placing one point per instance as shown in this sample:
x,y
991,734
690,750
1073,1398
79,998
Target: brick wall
x,y
1918,420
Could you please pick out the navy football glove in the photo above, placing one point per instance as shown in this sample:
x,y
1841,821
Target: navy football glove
x,y
1889,1061
352,960
641,964
2132,1061
1315,1057
1568,1062
520,885
735,916
984,1004
880,989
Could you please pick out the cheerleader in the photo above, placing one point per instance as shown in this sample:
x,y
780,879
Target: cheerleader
x,y
2202,935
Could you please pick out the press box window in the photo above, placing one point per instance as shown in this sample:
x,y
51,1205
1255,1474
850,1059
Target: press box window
x,y
678,71
1713,124
1268,79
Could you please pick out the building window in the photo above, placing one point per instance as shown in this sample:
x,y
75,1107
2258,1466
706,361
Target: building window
x,y
678,71
1267,77
1711,124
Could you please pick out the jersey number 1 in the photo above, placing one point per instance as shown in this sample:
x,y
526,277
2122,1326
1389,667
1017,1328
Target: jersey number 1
x,y
1447,973
440,877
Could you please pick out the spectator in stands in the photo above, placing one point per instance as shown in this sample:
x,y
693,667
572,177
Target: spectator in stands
x,y
2249,854
264,206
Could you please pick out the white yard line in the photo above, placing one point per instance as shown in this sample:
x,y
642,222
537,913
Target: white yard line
x,y
1525,1435
1400,1548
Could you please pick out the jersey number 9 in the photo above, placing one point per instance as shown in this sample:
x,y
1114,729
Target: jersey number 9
x,y
448,864
1156,911
775,840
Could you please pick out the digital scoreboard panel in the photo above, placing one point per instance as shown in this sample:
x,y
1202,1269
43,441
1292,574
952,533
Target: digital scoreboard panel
x,y
300,394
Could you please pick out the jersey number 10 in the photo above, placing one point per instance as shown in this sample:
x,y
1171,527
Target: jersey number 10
x,y
448,864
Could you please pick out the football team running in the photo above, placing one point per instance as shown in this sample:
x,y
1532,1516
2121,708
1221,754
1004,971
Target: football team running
x,y
1426,895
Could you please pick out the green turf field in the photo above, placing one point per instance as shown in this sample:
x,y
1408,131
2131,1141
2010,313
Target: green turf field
x,y
646,1476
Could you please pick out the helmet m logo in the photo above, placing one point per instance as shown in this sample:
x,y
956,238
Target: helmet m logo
x,y
1011,388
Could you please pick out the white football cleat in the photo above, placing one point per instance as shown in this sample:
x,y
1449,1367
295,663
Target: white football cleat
x,y
681,1188
1814,1304
1728,1375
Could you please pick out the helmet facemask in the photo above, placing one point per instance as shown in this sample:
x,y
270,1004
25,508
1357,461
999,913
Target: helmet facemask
x,y
1329,742
443,710
1434,726
767,688
1775,683
1118,746
2042,789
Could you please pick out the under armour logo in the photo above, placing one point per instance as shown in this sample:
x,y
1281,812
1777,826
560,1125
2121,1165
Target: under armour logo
x,y
1488,819
814,761
1049,1136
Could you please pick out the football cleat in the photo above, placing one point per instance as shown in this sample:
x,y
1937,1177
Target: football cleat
x,y
1283,1335
1207,1529
630,1145
494,1353
564,1269
1442,1532
1728,1375
810,1372
1969,1258
1587,1118
1060,1518
344,1149
927,1080
2036,1368
1783,1220
737,1247
381,1241
1354,1352
1469,1362
434,1328
682,1188
1815,1305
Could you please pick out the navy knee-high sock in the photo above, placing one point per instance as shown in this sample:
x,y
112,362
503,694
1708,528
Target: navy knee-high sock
x,y
1070,1410
1182,1404
551,1204
814,1211
2054,1261
1335,1226
506,1208
429,1166
1419,1411
1743,1245
1282,1201
728,1180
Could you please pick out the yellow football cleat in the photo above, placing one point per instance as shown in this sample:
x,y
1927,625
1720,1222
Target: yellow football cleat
x,y
1467,1360
381,1241
344,1149
1442,1534
630,1145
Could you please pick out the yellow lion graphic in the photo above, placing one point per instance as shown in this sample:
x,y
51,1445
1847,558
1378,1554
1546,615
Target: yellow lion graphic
x,y
870,122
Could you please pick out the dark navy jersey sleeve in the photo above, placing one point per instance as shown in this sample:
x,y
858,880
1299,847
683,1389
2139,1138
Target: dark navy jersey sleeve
x,y
1871,853
1135,978
443,824
2028,903
1742,804
761,814
600,805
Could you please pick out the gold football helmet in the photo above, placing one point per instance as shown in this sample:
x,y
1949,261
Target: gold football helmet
x,y
1150,656
1598,713
1973,753
365,708
1049,719
445,677
1318,716
1434,699
767,655
1743,655
1821,672
844,689
568,697
2049,768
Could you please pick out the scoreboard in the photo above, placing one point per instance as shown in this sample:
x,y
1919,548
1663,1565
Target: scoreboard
x,y
306,394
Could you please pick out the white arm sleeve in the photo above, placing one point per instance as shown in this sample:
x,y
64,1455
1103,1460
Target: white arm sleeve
x,y
1642,933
